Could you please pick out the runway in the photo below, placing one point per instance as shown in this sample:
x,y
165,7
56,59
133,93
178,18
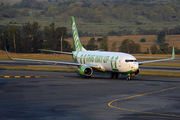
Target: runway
x,y
65,96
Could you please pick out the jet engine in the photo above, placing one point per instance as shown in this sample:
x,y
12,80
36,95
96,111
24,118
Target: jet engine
x,y
137,72
85,71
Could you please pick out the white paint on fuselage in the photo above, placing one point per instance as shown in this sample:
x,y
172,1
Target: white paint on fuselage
x,y
109,61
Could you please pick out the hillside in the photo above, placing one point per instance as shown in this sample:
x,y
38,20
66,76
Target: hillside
x,y
94,18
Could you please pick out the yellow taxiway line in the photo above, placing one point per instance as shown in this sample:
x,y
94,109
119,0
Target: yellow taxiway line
x,y
170,115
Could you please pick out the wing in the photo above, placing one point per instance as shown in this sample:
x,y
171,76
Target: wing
x,y
67,53
58,62
173,57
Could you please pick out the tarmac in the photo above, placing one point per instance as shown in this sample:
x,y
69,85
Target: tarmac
x,y
66,96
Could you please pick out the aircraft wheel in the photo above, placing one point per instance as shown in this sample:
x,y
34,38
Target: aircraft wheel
x,y
112,75
128,78
116,75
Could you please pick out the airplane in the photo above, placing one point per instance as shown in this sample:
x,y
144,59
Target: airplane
x,y
107,62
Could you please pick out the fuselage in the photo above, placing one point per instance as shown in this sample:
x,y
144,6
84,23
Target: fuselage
x,y
108,61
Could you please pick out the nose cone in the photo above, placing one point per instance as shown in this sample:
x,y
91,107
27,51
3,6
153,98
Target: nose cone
x,y
135,67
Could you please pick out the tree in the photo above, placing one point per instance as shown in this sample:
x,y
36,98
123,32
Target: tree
x,y
51,10
91,44
12,13
103,43
98,17
147,52
36,14
113,47
112,33
177,30
75,11
54,36
4,39
161,38
60,35
153,49
25,12
32,38
67,46
142,40
1,16
64,17
14,39
49,35
128,46
164,48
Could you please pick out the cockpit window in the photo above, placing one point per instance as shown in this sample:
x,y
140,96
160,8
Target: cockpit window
x,y
130,60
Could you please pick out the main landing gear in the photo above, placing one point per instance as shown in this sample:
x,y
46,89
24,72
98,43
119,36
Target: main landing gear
x,y
114,75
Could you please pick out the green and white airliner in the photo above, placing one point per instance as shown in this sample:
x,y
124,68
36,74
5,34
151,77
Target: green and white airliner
x,y
87,61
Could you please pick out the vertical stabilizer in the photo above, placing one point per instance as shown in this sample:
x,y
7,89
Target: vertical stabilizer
x,y
76,41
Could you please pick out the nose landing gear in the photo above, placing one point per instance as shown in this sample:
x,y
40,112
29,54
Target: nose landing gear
x,y
128,78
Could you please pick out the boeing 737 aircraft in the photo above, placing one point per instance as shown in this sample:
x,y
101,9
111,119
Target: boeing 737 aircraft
x,y
88,61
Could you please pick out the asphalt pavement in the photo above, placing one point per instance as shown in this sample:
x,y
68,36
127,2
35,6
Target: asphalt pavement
x,y
66,96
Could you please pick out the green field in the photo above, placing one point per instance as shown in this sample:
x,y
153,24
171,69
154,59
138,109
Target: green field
x,y
11,2
103,28
74,69
109,23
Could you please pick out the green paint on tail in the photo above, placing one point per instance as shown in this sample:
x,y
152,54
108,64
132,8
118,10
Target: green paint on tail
x,y
76,41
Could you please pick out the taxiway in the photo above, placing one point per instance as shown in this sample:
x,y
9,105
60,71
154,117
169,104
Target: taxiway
x,y
65,96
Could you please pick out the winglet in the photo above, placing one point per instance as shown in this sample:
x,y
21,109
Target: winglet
x,y
173,53
7,53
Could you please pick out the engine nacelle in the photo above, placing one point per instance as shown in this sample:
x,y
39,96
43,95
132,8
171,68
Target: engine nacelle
x,y
137,72
85,71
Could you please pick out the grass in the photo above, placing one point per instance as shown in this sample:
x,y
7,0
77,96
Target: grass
x,y
159,73
103,28
173,40
163,64
11,2
39,68
74,69
37,56
57,57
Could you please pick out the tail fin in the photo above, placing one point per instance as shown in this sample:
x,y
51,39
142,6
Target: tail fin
x,y
76,41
